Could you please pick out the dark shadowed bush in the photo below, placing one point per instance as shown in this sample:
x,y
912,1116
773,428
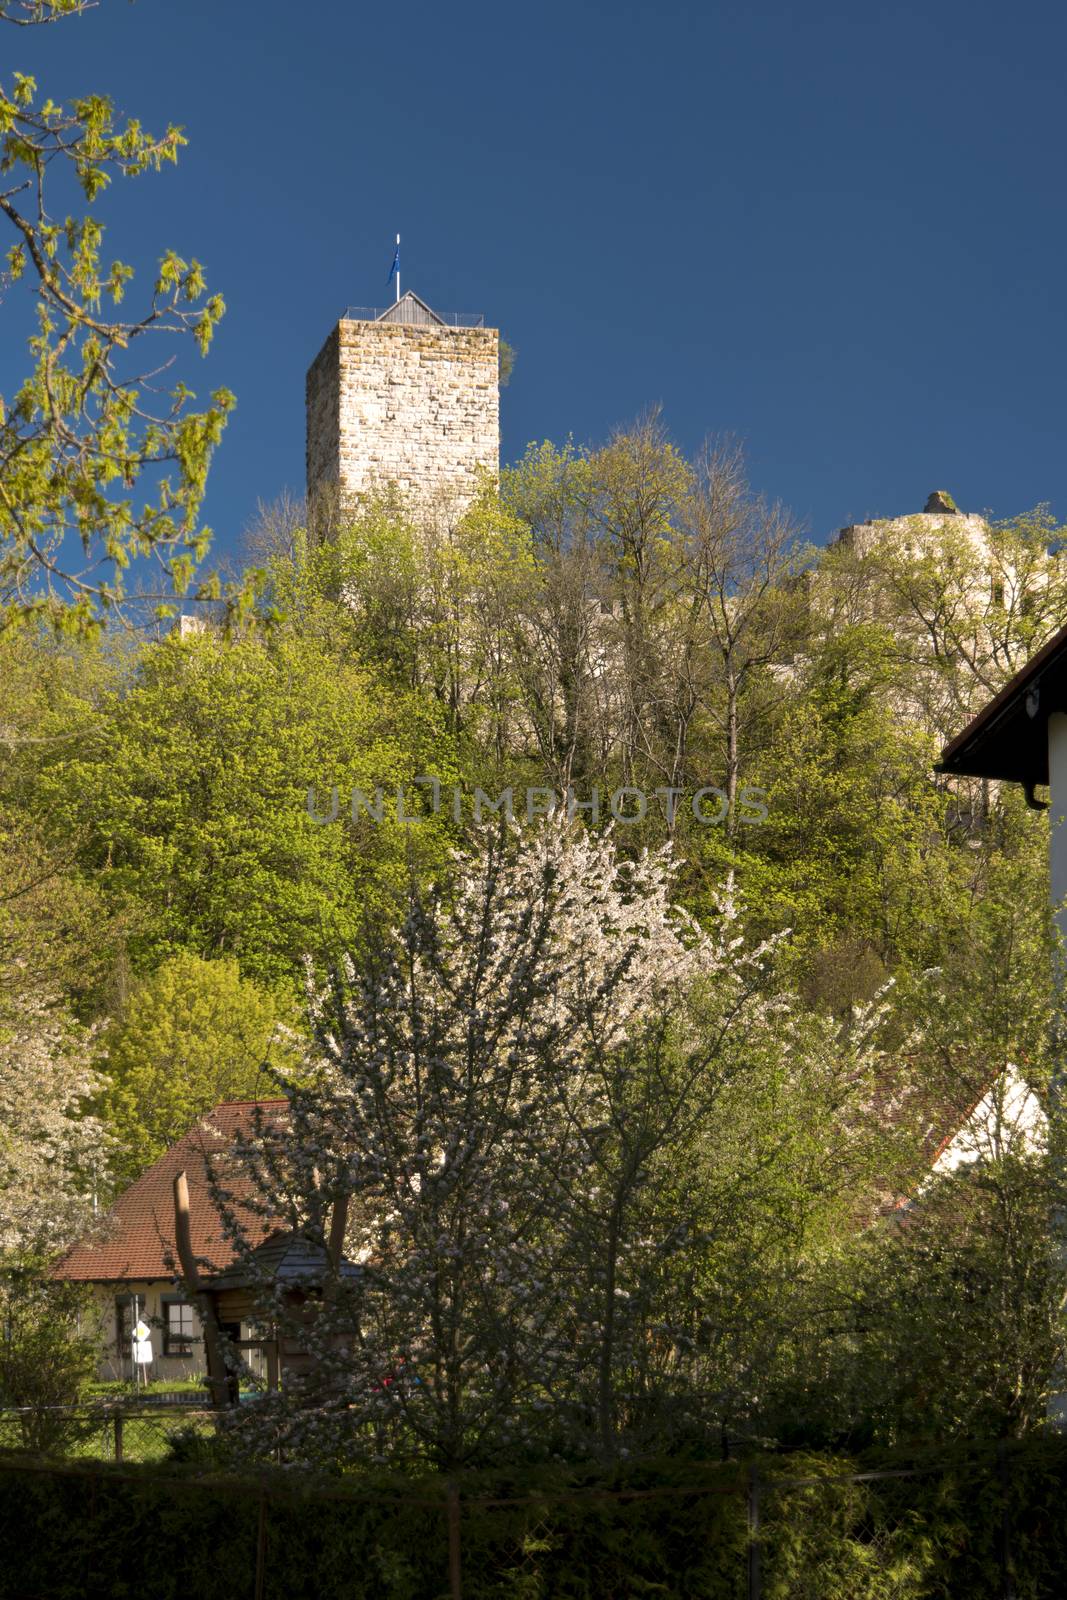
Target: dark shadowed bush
x,y
941,1526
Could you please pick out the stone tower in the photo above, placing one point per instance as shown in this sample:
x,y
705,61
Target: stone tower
x,y
404,397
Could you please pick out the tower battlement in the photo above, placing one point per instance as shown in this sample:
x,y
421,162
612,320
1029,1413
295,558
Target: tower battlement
x,y
408,398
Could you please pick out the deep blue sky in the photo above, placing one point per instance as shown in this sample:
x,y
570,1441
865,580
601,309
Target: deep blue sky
x,y
836,230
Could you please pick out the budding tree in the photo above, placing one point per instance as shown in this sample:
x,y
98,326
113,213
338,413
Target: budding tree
x,y
102,459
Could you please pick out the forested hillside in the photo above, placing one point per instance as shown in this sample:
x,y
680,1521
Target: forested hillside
x,y
625,624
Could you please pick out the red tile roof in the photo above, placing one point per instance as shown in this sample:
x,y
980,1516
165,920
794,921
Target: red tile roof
x,y
137,1236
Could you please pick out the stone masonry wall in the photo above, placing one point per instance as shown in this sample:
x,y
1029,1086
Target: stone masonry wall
x,y
323,416
414,406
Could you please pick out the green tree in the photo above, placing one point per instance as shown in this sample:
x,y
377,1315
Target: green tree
x,y
56,927
965,1305
965,603
193,1033
191,795
436,608
944,1314
606,696
561,691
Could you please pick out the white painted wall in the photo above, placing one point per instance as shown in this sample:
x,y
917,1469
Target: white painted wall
x,y
1008,1117
1057,775
116,1365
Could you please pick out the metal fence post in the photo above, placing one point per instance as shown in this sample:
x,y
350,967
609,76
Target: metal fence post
x,y
755,1550
118,1435
455,1561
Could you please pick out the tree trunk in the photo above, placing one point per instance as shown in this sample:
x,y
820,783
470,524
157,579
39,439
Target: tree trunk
x,y
605,1375
732,758
216,1366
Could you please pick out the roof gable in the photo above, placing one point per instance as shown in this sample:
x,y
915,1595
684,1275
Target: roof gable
x,y
137,1237
1009,1116
410,309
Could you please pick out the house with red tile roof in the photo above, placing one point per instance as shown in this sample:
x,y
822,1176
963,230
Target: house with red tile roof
x,y
131,1262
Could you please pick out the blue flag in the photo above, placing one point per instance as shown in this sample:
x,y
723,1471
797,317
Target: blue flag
x,y
395,268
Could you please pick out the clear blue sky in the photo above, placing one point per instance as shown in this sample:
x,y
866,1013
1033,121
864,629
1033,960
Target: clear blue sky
x,y
836,230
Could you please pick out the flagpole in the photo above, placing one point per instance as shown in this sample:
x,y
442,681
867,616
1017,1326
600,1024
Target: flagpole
x,y
398,269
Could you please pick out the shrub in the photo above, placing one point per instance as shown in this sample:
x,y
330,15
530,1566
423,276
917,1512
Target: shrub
x,y
670,1528
44,1361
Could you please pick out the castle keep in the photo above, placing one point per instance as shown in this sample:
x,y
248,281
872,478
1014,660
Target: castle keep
x,y
404,397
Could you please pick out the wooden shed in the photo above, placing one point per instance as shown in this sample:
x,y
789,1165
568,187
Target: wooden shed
x,y
284,1259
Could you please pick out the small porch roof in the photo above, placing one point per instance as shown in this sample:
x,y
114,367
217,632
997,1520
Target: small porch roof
x,y
284,1257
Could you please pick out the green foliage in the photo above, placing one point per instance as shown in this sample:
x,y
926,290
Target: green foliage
x,y
45,1359
963,1308
436,610
56,932
191,793
193,1033
97,476
944,1324
615,616
969,1523
27,13
944,1320
852,813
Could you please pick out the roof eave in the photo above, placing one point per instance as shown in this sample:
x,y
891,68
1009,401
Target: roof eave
x,y
1007,740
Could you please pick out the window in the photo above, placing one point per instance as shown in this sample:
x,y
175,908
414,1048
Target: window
x,y
178,1330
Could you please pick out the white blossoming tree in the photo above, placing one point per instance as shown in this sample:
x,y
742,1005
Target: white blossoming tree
x,y
51,1150
498,1116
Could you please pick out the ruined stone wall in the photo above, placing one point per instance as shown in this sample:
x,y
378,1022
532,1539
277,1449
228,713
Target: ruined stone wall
x,y
395,403
915,533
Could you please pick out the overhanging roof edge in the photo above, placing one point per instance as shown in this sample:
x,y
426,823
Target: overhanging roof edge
x,y
1009,703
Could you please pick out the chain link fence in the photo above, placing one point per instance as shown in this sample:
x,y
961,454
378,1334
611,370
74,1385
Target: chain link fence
x,y
101,1432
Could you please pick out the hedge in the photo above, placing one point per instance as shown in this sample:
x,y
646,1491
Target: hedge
x,y
976,1523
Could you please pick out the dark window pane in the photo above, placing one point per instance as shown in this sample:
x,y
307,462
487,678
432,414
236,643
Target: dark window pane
x,y
178,1330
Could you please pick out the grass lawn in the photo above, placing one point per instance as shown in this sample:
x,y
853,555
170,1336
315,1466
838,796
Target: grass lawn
x,y
120,1389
